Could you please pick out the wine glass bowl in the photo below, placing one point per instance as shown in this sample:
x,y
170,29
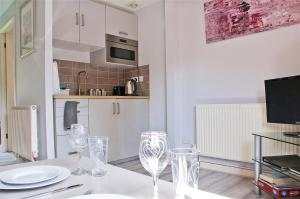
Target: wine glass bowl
x,y
153,153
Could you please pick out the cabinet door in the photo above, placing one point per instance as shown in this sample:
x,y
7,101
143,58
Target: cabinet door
x,y
133,119
66,20
92,23
59,114
121,23
63,146
59,122
103,122
62,143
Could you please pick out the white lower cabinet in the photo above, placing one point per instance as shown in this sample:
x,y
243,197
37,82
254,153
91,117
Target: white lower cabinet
x,y
122,121
62,143
103,122
63,146
133,120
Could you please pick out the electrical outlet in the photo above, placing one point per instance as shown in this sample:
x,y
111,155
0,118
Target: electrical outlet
x,y
140,79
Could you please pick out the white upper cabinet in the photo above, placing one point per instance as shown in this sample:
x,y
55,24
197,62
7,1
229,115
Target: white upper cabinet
x,y
66,20
92,23
79,22
121,23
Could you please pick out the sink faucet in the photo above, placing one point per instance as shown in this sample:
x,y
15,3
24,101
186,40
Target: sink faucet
x,y
85,74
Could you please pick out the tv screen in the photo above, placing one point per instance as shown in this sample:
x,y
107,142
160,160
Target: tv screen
x,y
283,100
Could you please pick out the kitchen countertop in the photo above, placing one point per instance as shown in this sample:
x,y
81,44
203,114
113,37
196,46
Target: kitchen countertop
x,y
97,97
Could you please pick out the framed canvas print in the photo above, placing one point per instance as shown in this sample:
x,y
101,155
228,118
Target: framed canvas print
x,y
27,27
227,19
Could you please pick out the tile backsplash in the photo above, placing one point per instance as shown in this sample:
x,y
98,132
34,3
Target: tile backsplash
x,y
100,77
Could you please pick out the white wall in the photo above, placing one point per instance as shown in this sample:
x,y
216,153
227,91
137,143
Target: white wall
x,y
48,78
231,71
151,31
34,74
2,89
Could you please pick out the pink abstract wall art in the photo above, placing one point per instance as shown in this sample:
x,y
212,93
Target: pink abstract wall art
x,y
226,19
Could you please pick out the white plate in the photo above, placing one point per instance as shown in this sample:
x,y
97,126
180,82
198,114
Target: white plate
x,y
63,173
102,196
29,175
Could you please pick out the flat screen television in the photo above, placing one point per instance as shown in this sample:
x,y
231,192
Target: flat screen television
x,y
283,100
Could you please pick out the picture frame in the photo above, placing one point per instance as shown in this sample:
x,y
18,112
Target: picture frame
x,y
27,28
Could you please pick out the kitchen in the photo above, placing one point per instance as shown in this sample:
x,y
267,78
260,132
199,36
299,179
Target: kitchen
x,y
96,49
181,71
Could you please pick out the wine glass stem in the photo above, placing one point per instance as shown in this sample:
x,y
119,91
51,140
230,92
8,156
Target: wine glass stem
x,y
79,159
155,189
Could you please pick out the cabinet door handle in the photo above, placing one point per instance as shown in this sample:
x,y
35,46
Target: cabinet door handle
x,y
82,20
123,33
118,108
114,108
77,19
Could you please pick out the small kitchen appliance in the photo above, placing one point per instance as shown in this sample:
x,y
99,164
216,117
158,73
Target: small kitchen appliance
x,y
118,51
118,90
131,87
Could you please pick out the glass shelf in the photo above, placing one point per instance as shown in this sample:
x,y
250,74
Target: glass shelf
x,y
285,172
280,137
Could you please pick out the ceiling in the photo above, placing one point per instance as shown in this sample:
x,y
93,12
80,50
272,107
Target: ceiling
x,y
129,5
4,4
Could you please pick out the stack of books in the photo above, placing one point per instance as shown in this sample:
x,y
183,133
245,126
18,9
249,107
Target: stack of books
x,y
279,185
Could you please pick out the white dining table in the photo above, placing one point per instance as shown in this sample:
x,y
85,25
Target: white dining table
x,y
116,181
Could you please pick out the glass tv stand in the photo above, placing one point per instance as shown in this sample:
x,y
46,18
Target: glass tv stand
x,y
258,162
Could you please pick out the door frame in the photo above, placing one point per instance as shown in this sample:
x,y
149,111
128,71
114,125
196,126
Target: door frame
x,y
9,27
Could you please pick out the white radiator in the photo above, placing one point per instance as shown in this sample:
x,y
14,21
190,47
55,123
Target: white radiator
x,y
23,135
225,131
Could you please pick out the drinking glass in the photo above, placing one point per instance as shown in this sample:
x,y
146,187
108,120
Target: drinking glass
x,y
98,147
185,169
153,154
78,140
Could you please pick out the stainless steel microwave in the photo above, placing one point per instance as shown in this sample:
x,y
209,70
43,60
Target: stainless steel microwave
x,y
118,51
121,50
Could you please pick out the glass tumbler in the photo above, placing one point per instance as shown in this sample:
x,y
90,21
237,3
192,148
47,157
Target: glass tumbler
x,y
185,169
98,147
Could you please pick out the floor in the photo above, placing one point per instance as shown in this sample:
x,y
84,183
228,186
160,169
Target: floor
x,y
224,184
9,158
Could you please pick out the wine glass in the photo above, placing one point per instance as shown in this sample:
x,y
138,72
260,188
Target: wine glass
x,y
78,140
153,154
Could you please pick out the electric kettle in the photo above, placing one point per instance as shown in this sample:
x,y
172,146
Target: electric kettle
x,y
131,88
